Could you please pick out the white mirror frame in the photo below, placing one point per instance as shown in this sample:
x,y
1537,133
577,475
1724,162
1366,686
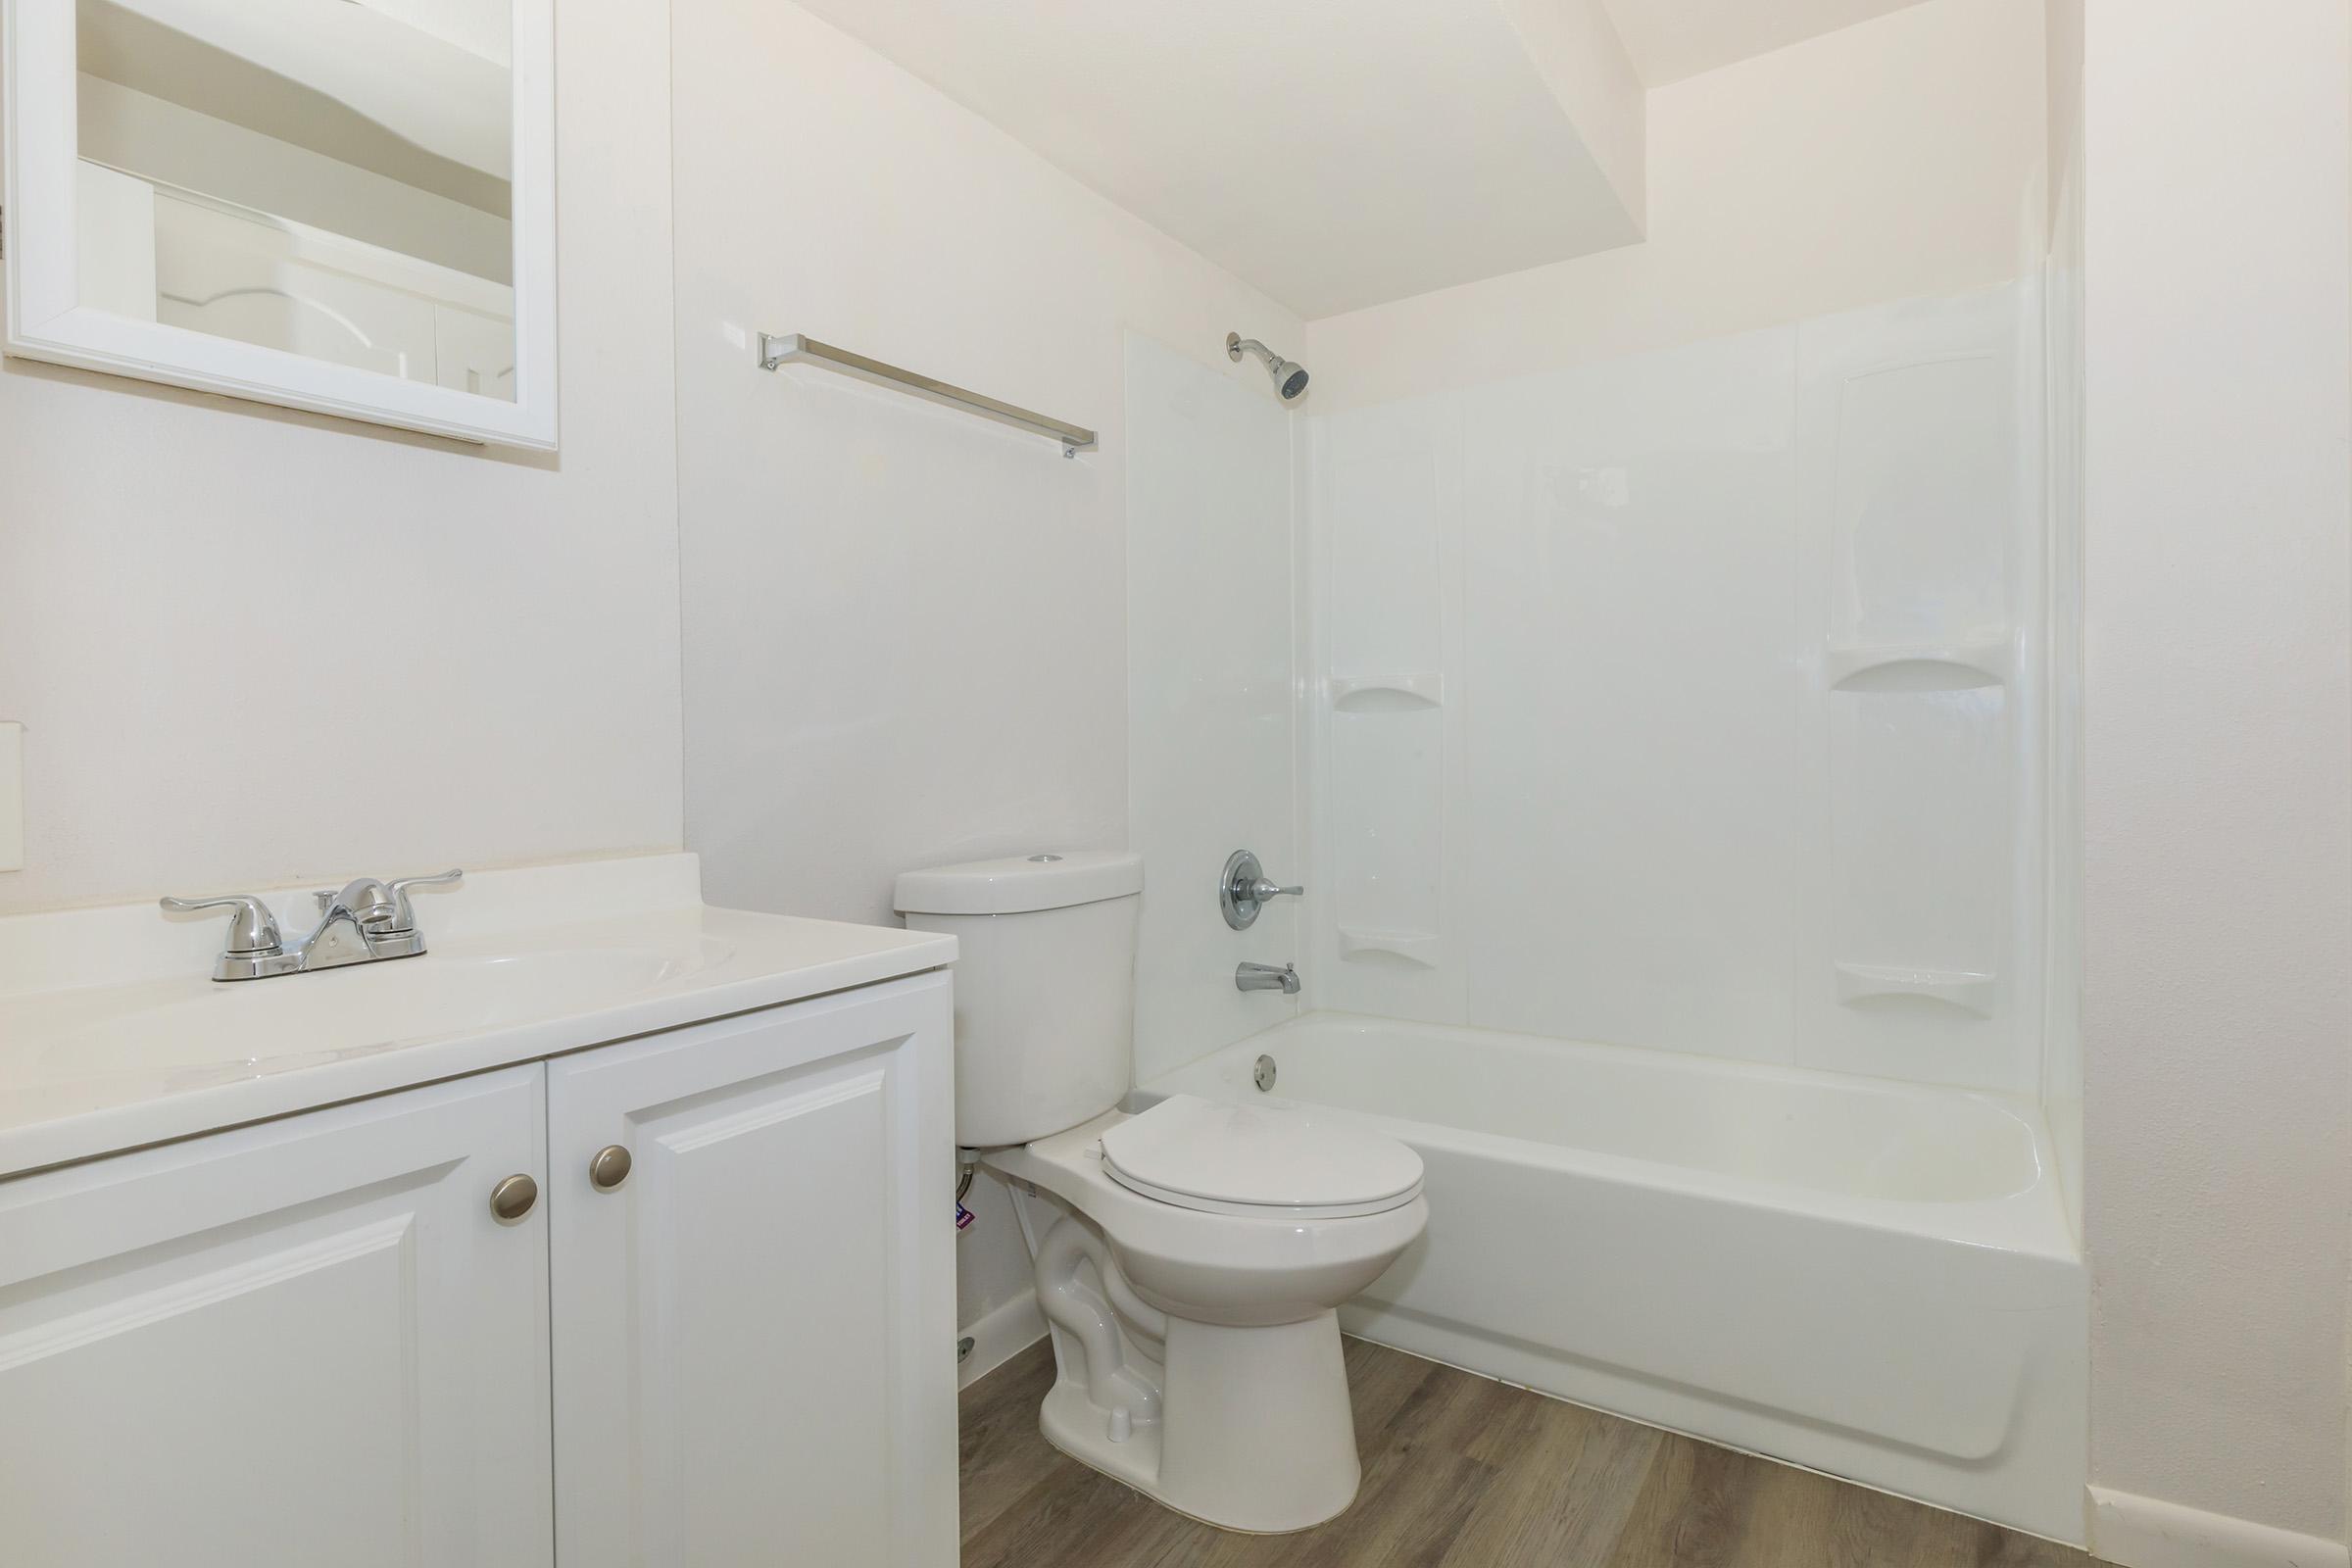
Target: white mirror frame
x,y
47,321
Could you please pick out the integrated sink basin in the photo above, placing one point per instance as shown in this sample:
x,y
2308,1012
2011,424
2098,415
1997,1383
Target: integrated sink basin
x,y
115,1035
194,1033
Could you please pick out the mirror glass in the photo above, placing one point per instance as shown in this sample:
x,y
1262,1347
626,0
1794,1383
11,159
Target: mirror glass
x,y
331,178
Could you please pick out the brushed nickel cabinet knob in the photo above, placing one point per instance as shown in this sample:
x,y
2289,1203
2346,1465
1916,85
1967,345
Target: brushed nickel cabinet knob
x,y
512,1198
610,1168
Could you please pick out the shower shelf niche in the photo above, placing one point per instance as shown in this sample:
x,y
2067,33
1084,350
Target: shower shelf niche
x,y
1419,948
1948,668
1964,989
1389,692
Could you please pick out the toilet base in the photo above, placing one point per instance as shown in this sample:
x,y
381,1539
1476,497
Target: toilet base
x,y
1254,1429
1197,1355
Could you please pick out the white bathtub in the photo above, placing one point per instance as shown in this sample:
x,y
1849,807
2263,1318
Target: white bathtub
x,y
1869,1278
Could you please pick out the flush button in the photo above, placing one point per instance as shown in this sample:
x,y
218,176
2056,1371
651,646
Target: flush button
x,y
1042,859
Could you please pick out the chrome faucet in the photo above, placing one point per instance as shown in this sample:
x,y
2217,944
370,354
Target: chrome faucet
x,y
1265,977
369,920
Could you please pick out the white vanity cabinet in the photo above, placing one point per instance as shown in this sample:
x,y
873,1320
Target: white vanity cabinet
x,y
301,1342
754,1327
311,1341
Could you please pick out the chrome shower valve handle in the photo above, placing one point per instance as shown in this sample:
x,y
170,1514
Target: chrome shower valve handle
x,y
1245,891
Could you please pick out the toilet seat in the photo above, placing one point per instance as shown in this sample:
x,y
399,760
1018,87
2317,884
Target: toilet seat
x,y
1265,1161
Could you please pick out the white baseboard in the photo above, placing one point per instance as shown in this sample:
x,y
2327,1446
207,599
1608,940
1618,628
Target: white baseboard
x,y
1002,1334
2148,1533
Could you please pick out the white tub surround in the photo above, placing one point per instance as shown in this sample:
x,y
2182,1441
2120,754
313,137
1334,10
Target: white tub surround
x,y
1693,700
113,1034
1211,742
1869,1278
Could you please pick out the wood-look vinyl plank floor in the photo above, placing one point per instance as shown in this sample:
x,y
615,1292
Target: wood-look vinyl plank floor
x,y
1460,1472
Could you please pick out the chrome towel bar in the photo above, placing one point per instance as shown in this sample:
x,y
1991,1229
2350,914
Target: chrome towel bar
x,y
791,348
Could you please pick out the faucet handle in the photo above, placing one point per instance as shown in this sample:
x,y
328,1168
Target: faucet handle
x,y
404,918
251,930
1244,890
378,908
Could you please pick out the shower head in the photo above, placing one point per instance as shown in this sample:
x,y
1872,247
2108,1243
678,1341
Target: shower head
x,y
1290,377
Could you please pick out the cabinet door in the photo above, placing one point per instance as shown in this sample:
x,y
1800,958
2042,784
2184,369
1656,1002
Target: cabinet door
x,y
755,1330
302,1343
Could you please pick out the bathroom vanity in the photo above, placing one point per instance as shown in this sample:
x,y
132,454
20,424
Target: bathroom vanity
x,y
606,1232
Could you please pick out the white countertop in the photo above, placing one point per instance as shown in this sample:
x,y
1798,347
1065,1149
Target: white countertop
x,y
130,1042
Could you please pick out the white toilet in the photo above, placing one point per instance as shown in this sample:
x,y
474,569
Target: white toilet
x,y
1188,1257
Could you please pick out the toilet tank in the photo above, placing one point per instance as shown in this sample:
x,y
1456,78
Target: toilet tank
x,y
1045,986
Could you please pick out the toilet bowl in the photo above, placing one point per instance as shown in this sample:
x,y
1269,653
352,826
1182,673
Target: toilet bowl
x,y
1196,1338
1189,1256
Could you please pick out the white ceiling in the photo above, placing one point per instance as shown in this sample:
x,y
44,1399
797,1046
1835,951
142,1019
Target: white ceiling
x,y
1670,39
1333,153
1342,153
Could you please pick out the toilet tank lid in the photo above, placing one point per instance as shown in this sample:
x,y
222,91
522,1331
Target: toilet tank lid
x,y
1019,884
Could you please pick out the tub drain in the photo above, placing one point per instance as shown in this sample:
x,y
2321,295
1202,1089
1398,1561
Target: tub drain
x,y
1263,1074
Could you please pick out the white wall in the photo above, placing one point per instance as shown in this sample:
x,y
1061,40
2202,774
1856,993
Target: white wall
x,y
1898,157
250,646
906,630
2218,1006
